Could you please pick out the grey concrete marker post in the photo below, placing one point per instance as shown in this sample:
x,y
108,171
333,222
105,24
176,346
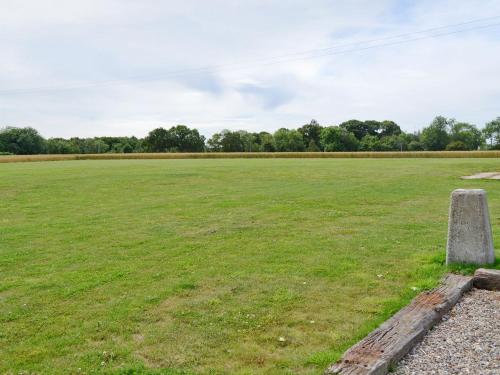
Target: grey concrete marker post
x,y
469,229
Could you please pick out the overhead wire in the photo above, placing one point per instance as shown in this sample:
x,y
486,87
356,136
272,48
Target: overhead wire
x,y
290,57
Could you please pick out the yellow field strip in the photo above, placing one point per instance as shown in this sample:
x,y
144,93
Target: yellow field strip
x,y
254,155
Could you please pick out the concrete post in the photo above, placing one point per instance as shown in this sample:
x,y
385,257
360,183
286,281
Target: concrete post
x,y
469,229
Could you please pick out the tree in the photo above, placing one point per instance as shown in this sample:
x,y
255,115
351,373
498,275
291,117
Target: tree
x,y
281,139
335,138
370,143
214,143
416,146
226,141
435,137
412,141
119,144
157,140
61,146
232,142
389,128
183,139
467,134
22,141
492,133
177,139
312,147
288,140
267,143
100,147
394,143
249,141
311,134
387,143
361,128
123,147
456,146
97,146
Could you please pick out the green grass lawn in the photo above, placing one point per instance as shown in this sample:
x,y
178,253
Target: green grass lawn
x,y
201,266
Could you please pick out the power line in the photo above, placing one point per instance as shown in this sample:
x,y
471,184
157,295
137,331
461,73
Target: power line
x,y
394,36
302,55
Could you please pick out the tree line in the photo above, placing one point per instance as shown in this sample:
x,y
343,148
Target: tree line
x,y
353,135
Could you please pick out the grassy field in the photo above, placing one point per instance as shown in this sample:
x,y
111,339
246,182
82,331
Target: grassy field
x,y
247,266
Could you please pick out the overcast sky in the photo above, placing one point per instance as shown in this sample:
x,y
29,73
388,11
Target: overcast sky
x,y
123,67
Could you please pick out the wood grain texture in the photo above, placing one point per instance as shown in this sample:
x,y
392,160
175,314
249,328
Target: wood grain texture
x,y
386,345
487,279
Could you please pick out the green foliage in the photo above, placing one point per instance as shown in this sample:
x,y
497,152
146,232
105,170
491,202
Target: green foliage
x,y
288,140
492,133
231,141
384,143
389,128
92,146
266,142
467,134
370,143
435,137
456,146
249,141
312,147
352,135
118,144
411,141
178,138
394,142
335,138
214,143
227,141
360,129
22,141
383,136
311,134
61,146
376,135
416,146
187,140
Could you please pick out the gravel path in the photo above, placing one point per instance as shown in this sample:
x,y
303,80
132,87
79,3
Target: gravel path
x,y
467,341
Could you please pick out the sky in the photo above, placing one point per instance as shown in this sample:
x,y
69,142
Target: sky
x,y
124,67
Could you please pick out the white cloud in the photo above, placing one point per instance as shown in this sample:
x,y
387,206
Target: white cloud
x,y
134,64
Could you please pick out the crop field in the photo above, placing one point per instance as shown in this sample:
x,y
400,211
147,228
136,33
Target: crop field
x,y
215,266
253,155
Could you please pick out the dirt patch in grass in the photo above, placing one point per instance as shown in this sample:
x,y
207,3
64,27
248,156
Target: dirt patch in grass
x,y
483,176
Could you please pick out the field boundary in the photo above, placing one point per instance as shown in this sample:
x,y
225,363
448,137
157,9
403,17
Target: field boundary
x,y
378,352
255,155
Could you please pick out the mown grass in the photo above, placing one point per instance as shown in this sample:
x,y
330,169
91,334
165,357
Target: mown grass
x,y
255,155
200,266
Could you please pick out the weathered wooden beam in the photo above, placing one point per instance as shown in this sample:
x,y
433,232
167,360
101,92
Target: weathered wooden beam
x,y
386,345
487,279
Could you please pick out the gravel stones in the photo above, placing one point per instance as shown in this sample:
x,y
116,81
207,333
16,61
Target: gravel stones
x,y
467,341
